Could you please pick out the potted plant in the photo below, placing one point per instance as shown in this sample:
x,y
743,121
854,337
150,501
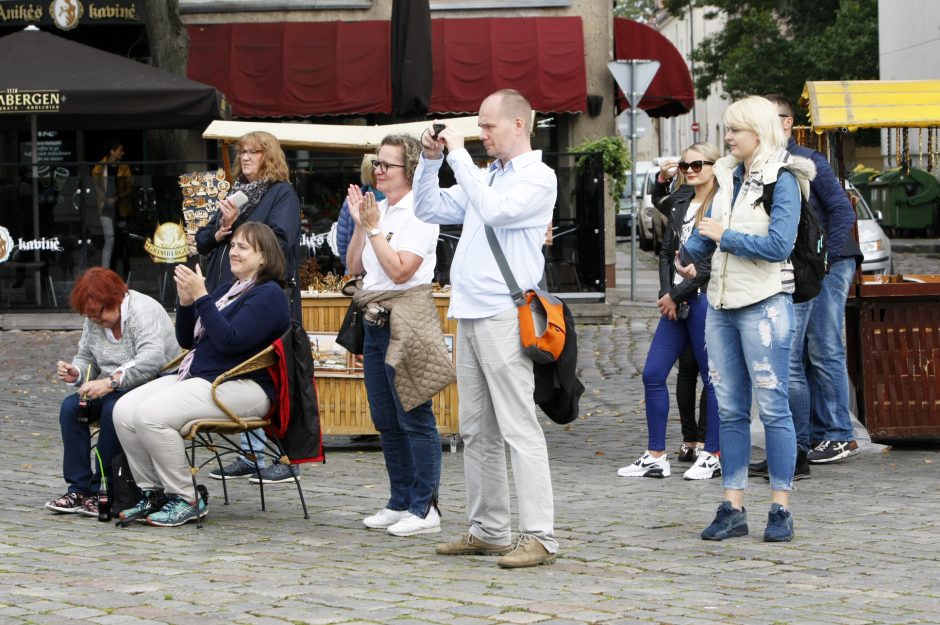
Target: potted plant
x,y
615,156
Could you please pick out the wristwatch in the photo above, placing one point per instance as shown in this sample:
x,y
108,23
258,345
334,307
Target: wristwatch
x,y
114,383
374,231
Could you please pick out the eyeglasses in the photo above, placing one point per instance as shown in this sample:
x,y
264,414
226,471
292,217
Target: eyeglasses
x,y
251,153
383,166
695,166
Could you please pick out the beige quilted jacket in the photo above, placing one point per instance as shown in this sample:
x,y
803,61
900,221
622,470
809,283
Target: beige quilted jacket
x,y
416,350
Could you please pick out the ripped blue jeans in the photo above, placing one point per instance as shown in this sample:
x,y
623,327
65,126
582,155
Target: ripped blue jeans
x,y
749,353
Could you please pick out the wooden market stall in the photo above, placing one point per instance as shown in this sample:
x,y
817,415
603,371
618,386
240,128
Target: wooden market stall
x,y
892,322
344,408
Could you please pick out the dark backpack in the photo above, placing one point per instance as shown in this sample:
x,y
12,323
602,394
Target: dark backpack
x,y
124,490
809,251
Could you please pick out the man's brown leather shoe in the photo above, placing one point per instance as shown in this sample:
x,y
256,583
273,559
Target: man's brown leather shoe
x,y
528,552
468,545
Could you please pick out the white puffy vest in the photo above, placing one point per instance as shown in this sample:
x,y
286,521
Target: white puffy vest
x,y
737,282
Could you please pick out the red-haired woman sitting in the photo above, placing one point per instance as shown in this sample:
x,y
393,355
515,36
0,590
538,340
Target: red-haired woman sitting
x,y
126,339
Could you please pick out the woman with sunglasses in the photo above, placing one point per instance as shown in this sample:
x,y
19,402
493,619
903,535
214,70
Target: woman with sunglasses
x,y
749,329
404,347
683,307
260,172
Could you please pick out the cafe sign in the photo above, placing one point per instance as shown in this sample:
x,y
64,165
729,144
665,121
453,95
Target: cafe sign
x,y
30,101
67,14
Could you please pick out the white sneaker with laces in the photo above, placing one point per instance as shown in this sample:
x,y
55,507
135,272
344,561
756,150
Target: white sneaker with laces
x,y
647,466
384,518
413,525
706,467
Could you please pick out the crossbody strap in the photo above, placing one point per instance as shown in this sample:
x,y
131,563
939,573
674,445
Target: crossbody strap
x,y
517,294
518,297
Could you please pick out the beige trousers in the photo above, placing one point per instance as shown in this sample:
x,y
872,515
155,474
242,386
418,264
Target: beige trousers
x,y
148,419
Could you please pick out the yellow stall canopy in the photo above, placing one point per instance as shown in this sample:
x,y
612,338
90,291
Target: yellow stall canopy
x,y
854,104
335,137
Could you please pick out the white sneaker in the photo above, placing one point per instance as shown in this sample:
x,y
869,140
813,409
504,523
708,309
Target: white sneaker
x,y
647,466
413,525
384,518
706,467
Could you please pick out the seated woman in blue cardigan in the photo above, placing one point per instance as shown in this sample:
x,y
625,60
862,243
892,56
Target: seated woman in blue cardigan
x,y
222,329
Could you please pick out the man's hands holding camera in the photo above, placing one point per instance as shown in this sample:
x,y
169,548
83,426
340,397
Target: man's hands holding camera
x,y
438,137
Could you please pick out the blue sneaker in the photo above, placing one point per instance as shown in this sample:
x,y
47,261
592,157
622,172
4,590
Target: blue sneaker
x,y
779,525
728,523
151,501
178,511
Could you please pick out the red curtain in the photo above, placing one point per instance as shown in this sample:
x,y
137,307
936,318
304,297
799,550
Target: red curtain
x,y
543,57
296,68
300,69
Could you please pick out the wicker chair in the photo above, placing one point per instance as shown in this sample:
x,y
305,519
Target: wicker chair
x,y
199,433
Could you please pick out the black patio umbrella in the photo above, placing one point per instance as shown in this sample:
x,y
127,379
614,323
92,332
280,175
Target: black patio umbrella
x,y
76,87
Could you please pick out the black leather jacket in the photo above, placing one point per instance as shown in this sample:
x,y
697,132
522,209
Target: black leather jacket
x,y
674,206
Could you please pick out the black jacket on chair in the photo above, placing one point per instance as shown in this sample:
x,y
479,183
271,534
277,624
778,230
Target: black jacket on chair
x,y
674,206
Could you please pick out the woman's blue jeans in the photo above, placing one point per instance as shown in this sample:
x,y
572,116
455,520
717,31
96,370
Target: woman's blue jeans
x,y
749,352
669,341
76,443
410,441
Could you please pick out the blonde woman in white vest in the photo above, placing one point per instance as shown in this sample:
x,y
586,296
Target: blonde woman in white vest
x,y
749,327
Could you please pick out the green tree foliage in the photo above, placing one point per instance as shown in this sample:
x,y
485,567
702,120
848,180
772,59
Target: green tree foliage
x,y
639,10
775,46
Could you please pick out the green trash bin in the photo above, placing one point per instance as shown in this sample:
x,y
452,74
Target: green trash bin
x,y
908,202
861,178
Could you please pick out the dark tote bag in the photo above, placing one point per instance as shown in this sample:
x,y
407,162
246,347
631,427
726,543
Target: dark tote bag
x,y
352,334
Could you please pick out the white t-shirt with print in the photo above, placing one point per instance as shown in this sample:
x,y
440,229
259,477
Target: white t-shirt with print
x,y
405,233
688,222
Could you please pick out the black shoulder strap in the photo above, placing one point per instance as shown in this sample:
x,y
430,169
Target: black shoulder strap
x,y
768,196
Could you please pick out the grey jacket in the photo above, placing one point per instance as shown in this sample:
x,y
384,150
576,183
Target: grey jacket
x,y
148,343
416,349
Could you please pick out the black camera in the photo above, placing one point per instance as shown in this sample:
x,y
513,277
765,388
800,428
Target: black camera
x,y
436,130
682,312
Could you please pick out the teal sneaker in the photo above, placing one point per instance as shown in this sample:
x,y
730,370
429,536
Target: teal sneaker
x,y
178,511
151,501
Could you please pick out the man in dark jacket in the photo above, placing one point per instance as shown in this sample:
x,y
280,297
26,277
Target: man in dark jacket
x,y
819,381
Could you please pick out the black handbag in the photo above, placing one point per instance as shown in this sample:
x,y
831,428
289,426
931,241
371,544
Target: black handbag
x,y
351,333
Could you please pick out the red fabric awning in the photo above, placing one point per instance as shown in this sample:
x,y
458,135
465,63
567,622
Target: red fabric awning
x,y
301,69
542,57
671,93
295,69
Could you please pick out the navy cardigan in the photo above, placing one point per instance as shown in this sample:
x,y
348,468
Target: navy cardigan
x,y
236,333
279,209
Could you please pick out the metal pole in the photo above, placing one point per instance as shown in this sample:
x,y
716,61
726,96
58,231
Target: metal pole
x,y
632,189
34,132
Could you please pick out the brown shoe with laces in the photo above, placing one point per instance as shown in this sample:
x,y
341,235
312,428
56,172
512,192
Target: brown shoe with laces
x,y
529,551
470,545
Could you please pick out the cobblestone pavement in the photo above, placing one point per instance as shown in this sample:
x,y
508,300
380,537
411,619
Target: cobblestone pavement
x,y
866,547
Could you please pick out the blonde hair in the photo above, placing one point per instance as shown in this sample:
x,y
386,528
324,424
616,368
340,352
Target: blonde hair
x,y
366,170
410,150
758,115
273,163
711,153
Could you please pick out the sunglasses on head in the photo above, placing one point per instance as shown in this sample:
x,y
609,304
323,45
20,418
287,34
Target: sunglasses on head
x,y
695,166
